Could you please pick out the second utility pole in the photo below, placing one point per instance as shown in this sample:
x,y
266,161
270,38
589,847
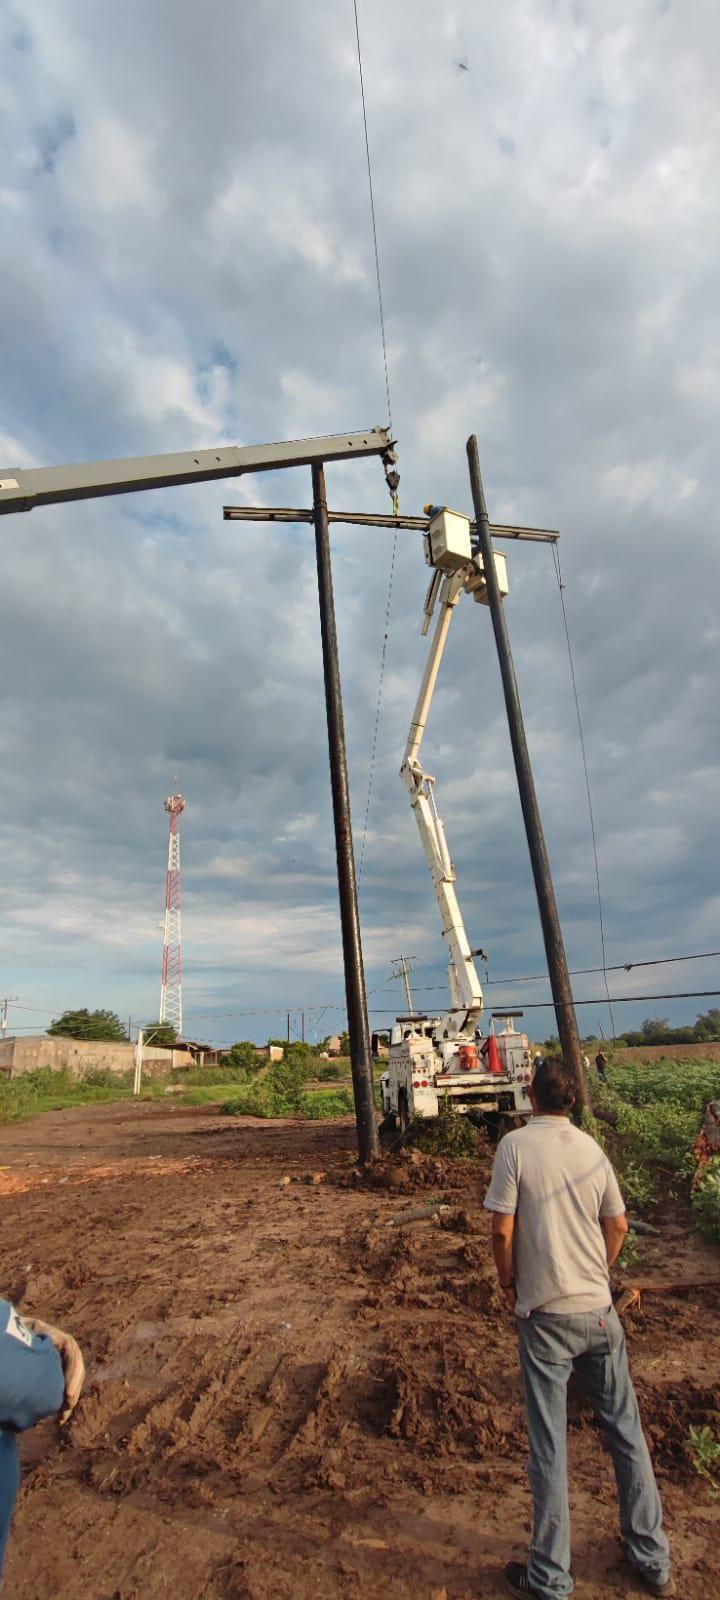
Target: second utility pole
x,y
549,919
360,1057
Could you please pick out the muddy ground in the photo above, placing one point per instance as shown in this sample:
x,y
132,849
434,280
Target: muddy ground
x,y
287,1398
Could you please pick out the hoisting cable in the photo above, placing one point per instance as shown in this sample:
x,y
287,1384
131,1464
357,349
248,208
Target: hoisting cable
x,y
391,475
591,814
373,219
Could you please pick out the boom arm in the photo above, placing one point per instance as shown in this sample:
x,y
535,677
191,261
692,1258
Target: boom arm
x,y
21,488
465,988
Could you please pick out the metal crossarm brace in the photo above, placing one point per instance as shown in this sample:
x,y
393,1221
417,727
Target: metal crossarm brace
x,y
369,519
22,488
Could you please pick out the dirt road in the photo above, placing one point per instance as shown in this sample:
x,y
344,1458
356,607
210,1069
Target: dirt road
x,y
289,1400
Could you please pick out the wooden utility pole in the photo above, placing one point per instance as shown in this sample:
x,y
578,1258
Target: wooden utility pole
x,y
549,919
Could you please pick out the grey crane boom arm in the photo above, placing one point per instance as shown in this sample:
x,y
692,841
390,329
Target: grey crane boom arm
x,y
22,488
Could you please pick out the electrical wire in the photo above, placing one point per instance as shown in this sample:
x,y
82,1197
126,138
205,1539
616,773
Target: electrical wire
x,y
577,972
373,217
591,814
383,339
378,708
616,1000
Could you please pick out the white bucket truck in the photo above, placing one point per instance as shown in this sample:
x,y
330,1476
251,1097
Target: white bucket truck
x,y
446,1056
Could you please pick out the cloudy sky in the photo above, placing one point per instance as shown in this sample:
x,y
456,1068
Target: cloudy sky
x,y
186,259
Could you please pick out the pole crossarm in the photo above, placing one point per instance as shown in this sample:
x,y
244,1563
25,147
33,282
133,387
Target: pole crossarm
x,y
21,488
370,519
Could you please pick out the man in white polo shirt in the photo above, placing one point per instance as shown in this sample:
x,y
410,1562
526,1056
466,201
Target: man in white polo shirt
x,y
558,1226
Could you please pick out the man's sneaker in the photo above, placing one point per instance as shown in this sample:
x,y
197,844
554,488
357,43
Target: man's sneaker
x,y
516,1578
665,1587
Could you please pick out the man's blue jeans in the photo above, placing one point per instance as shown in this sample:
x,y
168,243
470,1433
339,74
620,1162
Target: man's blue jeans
x,y
9,1485
592,1346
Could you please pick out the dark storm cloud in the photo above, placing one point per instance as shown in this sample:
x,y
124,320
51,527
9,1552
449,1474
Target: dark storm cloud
x,y
186,258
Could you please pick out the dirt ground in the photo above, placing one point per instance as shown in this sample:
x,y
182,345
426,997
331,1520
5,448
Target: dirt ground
x,y
287,1398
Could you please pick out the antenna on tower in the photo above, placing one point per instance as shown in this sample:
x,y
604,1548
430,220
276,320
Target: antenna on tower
x,y
171,1009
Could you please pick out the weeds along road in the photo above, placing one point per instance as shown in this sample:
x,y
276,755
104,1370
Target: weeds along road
x,y
289,1400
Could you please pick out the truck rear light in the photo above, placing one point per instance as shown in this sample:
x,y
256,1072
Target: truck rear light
x,y
416,1084
424,1084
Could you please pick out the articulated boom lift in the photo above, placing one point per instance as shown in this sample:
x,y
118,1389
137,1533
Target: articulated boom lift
x,y
436,1056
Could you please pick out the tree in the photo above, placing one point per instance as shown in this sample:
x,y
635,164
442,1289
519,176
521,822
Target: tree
x,y
655,1030
163,1034
243,1054
708,1026
89,1025
287,1077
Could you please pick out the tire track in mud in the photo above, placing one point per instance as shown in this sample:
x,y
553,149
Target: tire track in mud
x,y
290,1398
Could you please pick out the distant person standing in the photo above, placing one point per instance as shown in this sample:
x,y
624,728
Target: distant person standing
x,y
41,1372
707,1144
601,1063
558,1227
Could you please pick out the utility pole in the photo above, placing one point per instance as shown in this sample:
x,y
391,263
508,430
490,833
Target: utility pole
x,y
4,1014
360,1057
21,489
138,1062
288,1027
404,966
549,919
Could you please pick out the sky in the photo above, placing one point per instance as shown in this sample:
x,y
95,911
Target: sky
x,y
186,259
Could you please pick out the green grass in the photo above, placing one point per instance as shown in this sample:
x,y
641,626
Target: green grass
x,y
259,1100
45,1090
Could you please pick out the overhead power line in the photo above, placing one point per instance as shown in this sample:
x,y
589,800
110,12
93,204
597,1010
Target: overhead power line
x,y
383,340
586,770
583,972
597,1000
373,217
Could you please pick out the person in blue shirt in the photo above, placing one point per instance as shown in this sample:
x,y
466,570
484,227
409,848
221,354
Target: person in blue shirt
x,y
41,1372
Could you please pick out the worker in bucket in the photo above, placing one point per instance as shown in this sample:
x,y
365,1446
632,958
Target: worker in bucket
x,y
41,1373
558,1227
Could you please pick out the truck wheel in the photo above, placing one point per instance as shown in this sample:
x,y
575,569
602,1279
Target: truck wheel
x,y
403,1113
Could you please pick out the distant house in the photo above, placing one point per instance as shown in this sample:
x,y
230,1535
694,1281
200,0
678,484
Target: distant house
x,y
270,1052
334,1045
203,1055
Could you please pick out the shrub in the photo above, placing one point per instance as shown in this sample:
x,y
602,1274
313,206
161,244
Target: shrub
x,y
318,1106
637,1184
257,1100
287,1083
450,1133
705,1451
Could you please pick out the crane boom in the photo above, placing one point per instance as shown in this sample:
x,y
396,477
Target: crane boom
x,y
465,987
21,488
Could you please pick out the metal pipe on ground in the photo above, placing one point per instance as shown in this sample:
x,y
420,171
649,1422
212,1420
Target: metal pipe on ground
x,y
549,919
358,1029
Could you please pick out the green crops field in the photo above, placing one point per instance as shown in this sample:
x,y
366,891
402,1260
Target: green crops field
x,y
657,1111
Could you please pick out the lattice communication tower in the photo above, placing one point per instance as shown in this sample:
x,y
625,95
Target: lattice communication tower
x,y
171,1009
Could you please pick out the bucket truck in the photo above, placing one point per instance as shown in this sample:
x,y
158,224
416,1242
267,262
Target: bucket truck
x,y
436,1057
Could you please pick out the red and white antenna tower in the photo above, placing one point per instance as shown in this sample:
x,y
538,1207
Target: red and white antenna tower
x,y
171,992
